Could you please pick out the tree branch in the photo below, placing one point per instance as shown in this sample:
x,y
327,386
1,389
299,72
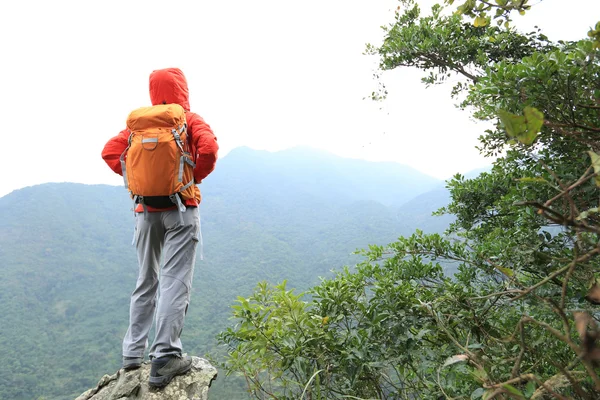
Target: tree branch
x,y
583,258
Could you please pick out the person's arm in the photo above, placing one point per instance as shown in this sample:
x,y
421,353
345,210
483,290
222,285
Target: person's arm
x,y
113,149
205,147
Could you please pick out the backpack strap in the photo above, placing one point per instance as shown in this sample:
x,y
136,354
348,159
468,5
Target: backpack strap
x,y
180,206
177,135
174,197
185,158
122,160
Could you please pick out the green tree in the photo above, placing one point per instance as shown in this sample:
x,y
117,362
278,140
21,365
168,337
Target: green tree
x,y
520,318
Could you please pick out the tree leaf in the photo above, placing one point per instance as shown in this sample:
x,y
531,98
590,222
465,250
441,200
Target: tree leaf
x,y
506,271
455,359
513,390
529,389
596,164
477,393
524,128
585,214
512,123
534,118
595,161
486,395
480,21
480,375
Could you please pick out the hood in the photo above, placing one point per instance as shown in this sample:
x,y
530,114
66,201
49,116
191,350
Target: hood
x,y
169,86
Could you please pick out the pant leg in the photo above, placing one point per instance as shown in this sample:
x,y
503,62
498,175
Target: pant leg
x,y
175,281
149,242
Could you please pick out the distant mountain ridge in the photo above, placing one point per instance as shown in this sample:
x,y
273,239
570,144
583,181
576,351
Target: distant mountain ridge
x,y
69,267
316,172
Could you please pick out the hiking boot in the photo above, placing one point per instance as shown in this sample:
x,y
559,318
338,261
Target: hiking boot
x,y
132,362
166,368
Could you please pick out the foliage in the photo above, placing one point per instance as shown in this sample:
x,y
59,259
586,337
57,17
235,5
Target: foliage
x,y
444,45
367,333
392,329
520,318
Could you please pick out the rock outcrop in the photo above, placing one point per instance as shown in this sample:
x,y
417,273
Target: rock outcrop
x,y
133,384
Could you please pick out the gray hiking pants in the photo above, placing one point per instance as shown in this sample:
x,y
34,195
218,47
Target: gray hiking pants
x,y
165,299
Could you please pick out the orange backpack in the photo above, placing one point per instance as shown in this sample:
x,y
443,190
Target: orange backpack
x,y
157,166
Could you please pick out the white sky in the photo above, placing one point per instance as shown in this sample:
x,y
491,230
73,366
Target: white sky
x,y
268,74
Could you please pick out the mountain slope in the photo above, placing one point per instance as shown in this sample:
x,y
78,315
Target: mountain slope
x,y
417,212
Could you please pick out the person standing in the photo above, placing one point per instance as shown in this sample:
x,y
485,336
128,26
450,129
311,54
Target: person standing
x,y
168,231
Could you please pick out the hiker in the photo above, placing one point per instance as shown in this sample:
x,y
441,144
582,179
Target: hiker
x,y
167,227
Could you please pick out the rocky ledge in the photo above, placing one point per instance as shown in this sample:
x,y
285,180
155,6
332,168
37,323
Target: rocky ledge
x,y
126,385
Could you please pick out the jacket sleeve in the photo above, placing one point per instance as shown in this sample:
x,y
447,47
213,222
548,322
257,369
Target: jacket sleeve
x,y
113,149
204,145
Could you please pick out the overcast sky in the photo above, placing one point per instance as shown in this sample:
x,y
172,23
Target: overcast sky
x,y
265,74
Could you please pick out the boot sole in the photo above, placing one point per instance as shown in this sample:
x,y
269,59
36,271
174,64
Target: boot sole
x,y
162,381
132,364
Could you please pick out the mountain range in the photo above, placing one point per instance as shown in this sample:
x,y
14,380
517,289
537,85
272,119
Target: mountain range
x,y
68,266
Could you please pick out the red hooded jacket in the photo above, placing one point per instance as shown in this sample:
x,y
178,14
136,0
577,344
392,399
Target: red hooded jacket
x,y
169,86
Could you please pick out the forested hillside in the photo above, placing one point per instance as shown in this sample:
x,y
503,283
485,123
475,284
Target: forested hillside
x,y
68,266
